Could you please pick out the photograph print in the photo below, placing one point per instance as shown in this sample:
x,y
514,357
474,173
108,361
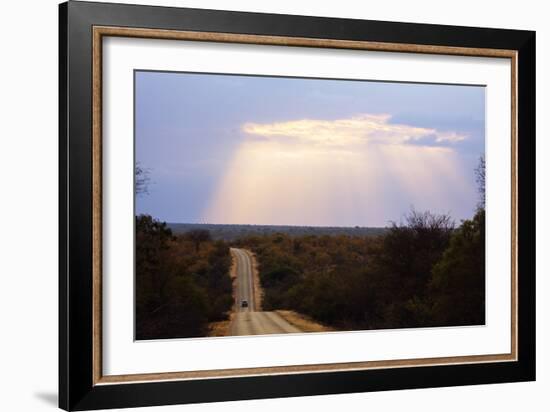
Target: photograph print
x,y
282,205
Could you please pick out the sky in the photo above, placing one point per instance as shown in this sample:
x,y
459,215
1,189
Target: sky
x,y
237,149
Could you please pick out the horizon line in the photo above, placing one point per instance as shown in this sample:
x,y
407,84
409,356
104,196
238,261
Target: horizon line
x,y
276,225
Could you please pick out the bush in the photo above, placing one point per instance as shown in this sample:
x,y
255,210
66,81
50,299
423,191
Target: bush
x,y
422,272
182,283
458,280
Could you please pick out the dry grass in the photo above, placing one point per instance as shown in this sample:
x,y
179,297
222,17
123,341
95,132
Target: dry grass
x,y
303,322
221,328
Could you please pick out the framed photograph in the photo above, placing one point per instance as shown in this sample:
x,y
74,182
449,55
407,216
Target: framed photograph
x,y
256,205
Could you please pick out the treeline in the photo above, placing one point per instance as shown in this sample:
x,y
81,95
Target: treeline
x,y
232,232
182,282
423,272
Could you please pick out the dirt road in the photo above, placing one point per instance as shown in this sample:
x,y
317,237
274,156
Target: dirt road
x,y
248,321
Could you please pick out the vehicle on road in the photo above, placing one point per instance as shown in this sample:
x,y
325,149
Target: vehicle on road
x,y
244,304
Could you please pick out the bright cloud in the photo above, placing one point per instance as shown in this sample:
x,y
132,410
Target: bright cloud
x,y
358,129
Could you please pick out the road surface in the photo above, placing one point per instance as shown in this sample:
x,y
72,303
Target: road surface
x,y
248,321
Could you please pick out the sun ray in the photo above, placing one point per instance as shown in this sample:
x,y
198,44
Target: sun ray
x,y
346,172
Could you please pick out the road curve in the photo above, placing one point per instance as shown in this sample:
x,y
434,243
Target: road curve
x,y
246,320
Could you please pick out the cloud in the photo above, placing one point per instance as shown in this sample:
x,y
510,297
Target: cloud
x,y
372,128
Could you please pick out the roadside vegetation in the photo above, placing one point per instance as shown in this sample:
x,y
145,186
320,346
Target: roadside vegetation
x,y
422,272
182,282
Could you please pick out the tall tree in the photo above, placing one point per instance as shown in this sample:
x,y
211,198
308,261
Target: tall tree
x,y
458,279
480,180
142,180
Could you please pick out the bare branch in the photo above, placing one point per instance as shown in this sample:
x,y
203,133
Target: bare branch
x,y
142,180
480,180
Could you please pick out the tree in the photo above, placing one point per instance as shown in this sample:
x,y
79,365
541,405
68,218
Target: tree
x,y
458,280
402,267
152,243
198,236
480,180
410,249
178,290
142,180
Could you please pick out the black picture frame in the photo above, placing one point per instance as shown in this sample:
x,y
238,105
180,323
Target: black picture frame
x,y
77,390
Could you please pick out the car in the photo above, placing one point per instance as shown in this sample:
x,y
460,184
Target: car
x,y
244,304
